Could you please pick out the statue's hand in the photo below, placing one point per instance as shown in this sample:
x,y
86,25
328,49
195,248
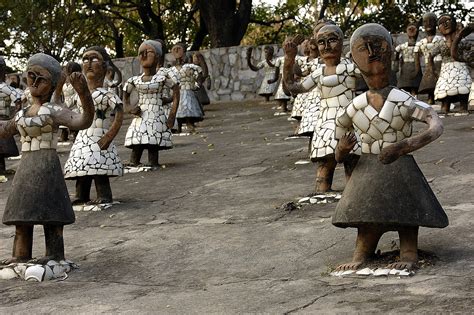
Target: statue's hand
x,y
104,142
390,154
78,82
347,142
290,48
136,111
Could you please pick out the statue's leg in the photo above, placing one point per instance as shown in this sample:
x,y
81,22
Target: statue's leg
x,y
136,155
445,104
153,154
367,239
283,105
53,235
22,245
102,187
83,190
325,173
64,136
408,249
267,98
463,102
3,169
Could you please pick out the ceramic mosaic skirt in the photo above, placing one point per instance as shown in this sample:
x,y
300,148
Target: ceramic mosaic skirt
x,y
39,194
189,107
150,128
298,106
310,113
409,78
454,79
87,159
280,94
392,195
266,88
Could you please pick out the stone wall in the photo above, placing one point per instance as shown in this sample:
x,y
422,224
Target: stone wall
x,y
231,78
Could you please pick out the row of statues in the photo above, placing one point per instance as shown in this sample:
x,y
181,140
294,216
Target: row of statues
x,y
85,101
370,133
354,115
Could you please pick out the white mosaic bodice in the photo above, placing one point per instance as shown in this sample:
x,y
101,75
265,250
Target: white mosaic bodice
x,y
150,92
378,130
37,132
8,97
407,52
266,67
188,75
427,48
104,103
336,91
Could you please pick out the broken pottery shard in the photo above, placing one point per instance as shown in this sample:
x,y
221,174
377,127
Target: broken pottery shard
x,y
381,272
365,272
304,199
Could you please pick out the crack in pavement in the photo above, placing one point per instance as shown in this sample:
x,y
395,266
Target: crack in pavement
x,y
315,300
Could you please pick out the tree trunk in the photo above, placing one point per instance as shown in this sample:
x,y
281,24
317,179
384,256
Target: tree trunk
x,y
225,21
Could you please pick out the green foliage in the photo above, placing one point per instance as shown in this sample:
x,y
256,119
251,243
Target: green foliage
x,y
58,28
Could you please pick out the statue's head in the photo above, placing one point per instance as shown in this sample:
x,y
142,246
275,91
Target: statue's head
x,y
149,53
178,50
371,49
429,23
42,75
329,40
447,24
412,29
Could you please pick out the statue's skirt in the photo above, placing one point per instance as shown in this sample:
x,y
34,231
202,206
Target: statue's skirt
x,y
39,194
392,195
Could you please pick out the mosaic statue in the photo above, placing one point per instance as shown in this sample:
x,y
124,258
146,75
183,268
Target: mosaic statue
x,y
198,60
268,86
410,69
151,128
93,155
454,80
463,51
335,80
39,194
432,63
68,95
387,191
189,74
10,103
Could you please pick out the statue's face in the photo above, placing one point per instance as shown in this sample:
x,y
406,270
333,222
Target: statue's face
x,y
446,25
412,31
147,56
305,47
429,24
329,44
195,59
177,51
39,81
93,65
372,55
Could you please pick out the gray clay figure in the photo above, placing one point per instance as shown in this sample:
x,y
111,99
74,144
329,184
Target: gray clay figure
x,y
151,127
268,86
387,191
10,103
410,70
93,155
39,194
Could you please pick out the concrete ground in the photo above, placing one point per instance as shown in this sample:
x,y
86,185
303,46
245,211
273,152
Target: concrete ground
x,y
208,233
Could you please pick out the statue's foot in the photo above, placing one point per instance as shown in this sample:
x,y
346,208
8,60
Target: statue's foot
x,y
99,201
349,266
13,260
79,201
402,265
44,260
